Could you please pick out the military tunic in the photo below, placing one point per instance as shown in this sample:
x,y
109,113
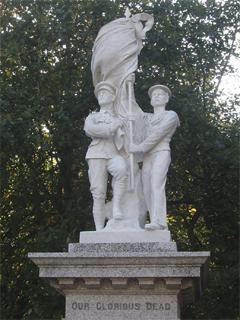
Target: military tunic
x,y
156,161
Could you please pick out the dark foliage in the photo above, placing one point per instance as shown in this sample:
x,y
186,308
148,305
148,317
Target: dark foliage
x,y
47,92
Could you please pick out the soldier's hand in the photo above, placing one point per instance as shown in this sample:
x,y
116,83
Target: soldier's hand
x,y
115,125
131,117
134,148
130,78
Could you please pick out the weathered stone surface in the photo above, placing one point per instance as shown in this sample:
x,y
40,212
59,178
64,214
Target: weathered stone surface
x,y
114,61
122,236
124,136
124,281
127,248
122,307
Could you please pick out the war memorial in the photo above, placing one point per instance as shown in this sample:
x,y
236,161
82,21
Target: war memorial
x,y
129,268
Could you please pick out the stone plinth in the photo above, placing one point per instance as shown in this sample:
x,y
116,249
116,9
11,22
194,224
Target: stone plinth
x,y
125,236
124,280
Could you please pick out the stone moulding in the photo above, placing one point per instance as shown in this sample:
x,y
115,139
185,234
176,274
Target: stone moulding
x,y
178,276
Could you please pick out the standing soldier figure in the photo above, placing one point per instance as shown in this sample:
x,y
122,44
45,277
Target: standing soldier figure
x,y
103,157
160,126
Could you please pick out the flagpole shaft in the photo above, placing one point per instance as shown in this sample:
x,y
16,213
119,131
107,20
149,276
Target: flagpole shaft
x,y
131,136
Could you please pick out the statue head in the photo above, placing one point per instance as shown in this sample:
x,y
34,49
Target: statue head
x,y
105,92
105,86
159,95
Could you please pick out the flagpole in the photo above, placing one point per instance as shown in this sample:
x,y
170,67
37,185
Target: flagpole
x,y
131,136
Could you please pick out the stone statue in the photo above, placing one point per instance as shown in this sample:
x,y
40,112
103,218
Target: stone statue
x,y
159,128
103,156
110,273
115,59
122,133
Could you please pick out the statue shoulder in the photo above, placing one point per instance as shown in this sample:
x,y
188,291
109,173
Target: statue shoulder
x,y
172,113
91,118
173,116
93,114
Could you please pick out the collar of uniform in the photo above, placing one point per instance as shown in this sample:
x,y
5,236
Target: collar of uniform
x,y
107,112
157,118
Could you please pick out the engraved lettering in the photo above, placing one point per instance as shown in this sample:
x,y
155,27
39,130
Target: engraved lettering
x,y
103,307
74,305
80,306
121,306
137,306
98,305
167,306
116,306
155,306
148,306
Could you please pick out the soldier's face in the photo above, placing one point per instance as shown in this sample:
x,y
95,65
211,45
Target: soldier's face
x,y
159,97
105,97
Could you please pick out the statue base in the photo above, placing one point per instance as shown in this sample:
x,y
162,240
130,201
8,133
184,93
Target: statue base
x,y
131,280
127,237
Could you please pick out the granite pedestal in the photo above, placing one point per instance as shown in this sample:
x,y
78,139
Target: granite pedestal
x,y
142,280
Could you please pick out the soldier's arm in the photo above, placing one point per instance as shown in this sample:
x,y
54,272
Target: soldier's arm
x,y
95,129
169,123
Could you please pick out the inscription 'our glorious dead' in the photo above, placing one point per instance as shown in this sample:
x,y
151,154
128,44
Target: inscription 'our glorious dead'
x,y
100,306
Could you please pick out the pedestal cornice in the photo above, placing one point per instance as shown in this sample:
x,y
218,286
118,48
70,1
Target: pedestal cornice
x,y
137,272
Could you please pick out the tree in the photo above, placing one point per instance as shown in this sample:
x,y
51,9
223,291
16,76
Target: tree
x,y
47,92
